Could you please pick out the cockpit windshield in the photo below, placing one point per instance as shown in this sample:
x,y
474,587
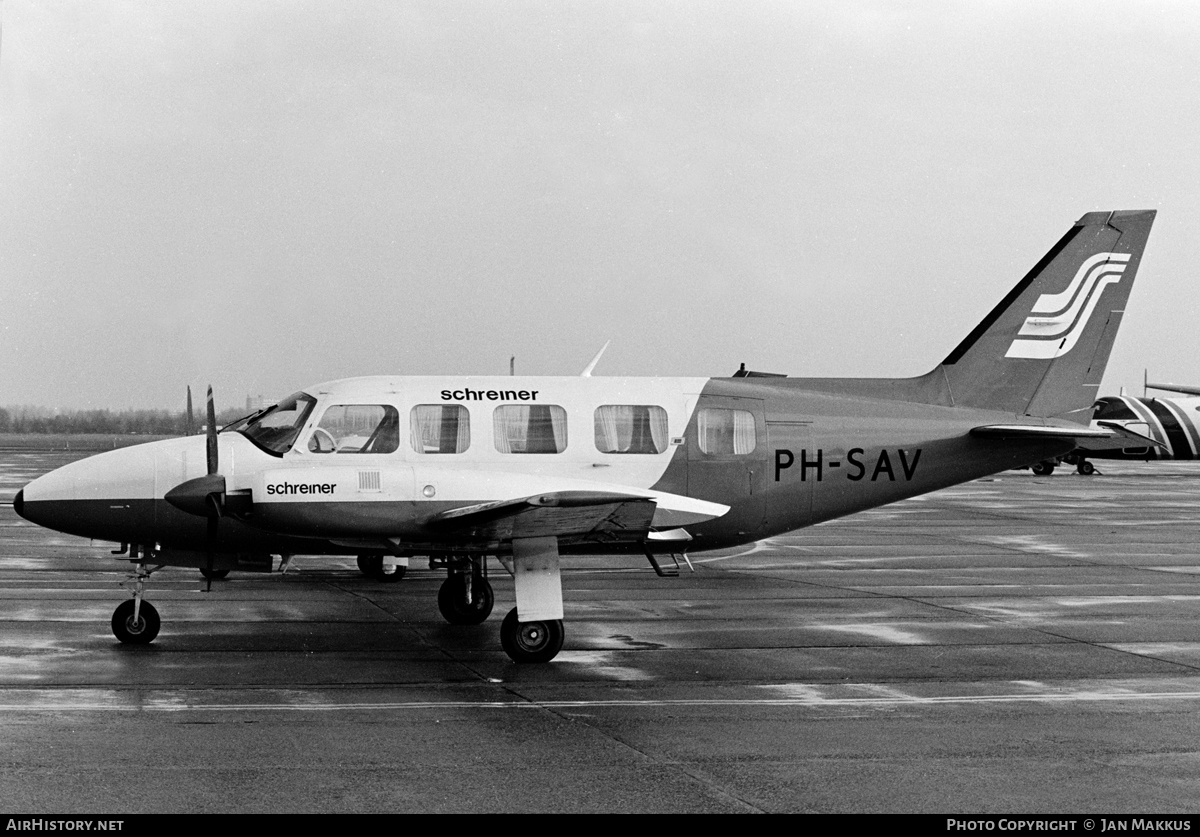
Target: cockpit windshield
x,y
275,429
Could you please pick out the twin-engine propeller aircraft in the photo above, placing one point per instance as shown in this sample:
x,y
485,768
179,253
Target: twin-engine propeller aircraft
x,y
1151,428
531,469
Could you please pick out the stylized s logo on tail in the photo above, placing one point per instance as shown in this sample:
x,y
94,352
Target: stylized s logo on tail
x,y
1057,320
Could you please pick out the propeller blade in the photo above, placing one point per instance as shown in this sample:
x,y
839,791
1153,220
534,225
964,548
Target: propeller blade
x,y
212,537
212,434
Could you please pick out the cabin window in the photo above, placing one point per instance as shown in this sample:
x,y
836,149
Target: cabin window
x,y
631,428
534,428
440,428
726,431
357,428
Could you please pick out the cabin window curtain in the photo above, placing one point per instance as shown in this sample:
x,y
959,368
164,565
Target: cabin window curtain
x,y
631,428
743,432
726,431
440,428
535,428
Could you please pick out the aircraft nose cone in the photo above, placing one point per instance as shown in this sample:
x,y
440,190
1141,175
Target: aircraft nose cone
x,y
19,502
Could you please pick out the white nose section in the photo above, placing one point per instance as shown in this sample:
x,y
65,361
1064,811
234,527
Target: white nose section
x,y
125,474
140,472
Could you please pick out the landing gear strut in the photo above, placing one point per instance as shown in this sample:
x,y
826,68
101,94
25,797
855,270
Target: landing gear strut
x,y
135,621
466,597
374,566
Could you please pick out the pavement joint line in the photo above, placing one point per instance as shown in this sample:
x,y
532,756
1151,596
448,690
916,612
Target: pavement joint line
x,y
804,702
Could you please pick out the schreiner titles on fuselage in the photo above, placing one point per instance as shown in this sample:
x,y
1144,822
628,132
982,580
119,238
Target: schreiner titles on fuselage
x,y
489,395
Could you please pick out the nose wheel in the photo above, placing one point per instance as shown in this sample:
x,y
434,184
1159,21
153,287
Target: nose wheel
x,y
135,622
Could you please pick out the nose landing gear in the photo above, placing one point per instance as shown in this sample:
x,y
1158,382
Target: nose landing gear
x,y
136,621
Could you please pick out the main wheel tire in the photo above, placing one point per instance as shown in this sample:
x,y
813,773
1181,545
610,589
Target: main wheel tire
x,y
454,607
213,575
139,632
531,642
1086,468
373,566
1043,469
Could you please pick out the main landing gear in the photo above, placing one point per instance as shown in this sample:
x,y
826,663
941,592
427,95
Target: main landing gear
x,y
531,642
466,598
382,569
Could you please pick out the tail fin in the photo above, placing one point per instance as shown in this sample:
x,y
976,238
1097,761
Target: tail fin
x,y
1043,349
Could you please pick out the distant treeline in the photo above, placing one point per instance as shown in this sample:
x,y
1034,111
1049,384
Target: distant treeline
x,y
140,422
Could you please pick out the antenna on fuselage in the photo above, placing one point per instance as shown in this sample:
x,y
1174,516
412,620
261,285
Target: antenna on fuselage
x,y
1145,384
512,365
587,370
191,419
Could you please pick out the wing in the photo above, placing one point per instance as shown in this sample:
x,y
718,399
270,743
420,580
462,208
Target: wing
x,y
1175,388
598,516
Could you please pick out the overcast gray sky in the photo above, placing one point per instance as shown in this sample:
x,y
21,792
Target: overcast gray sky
x,y
265,195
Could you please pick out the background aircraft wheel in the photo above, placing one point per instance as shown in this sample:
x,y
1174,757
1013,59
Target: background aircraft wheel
x,y
373,566
531,642
453,605
213,575
1042,469
1086,468
140,632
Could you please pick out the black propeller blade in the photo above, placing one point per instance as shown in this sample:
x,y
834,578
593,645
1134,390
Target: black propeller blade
x,y
204,496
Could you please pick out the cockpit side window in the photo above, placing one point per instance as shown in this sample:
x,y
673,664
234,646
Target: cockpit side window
x,y
357,428
276,428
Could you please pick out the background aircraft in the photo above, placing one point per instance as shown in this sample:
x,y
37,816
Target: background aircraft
x,y
1165,428
530,469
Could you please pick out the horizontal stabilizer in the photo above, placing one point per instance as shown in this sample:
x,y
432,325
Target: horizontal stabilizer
x,y
1038,431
